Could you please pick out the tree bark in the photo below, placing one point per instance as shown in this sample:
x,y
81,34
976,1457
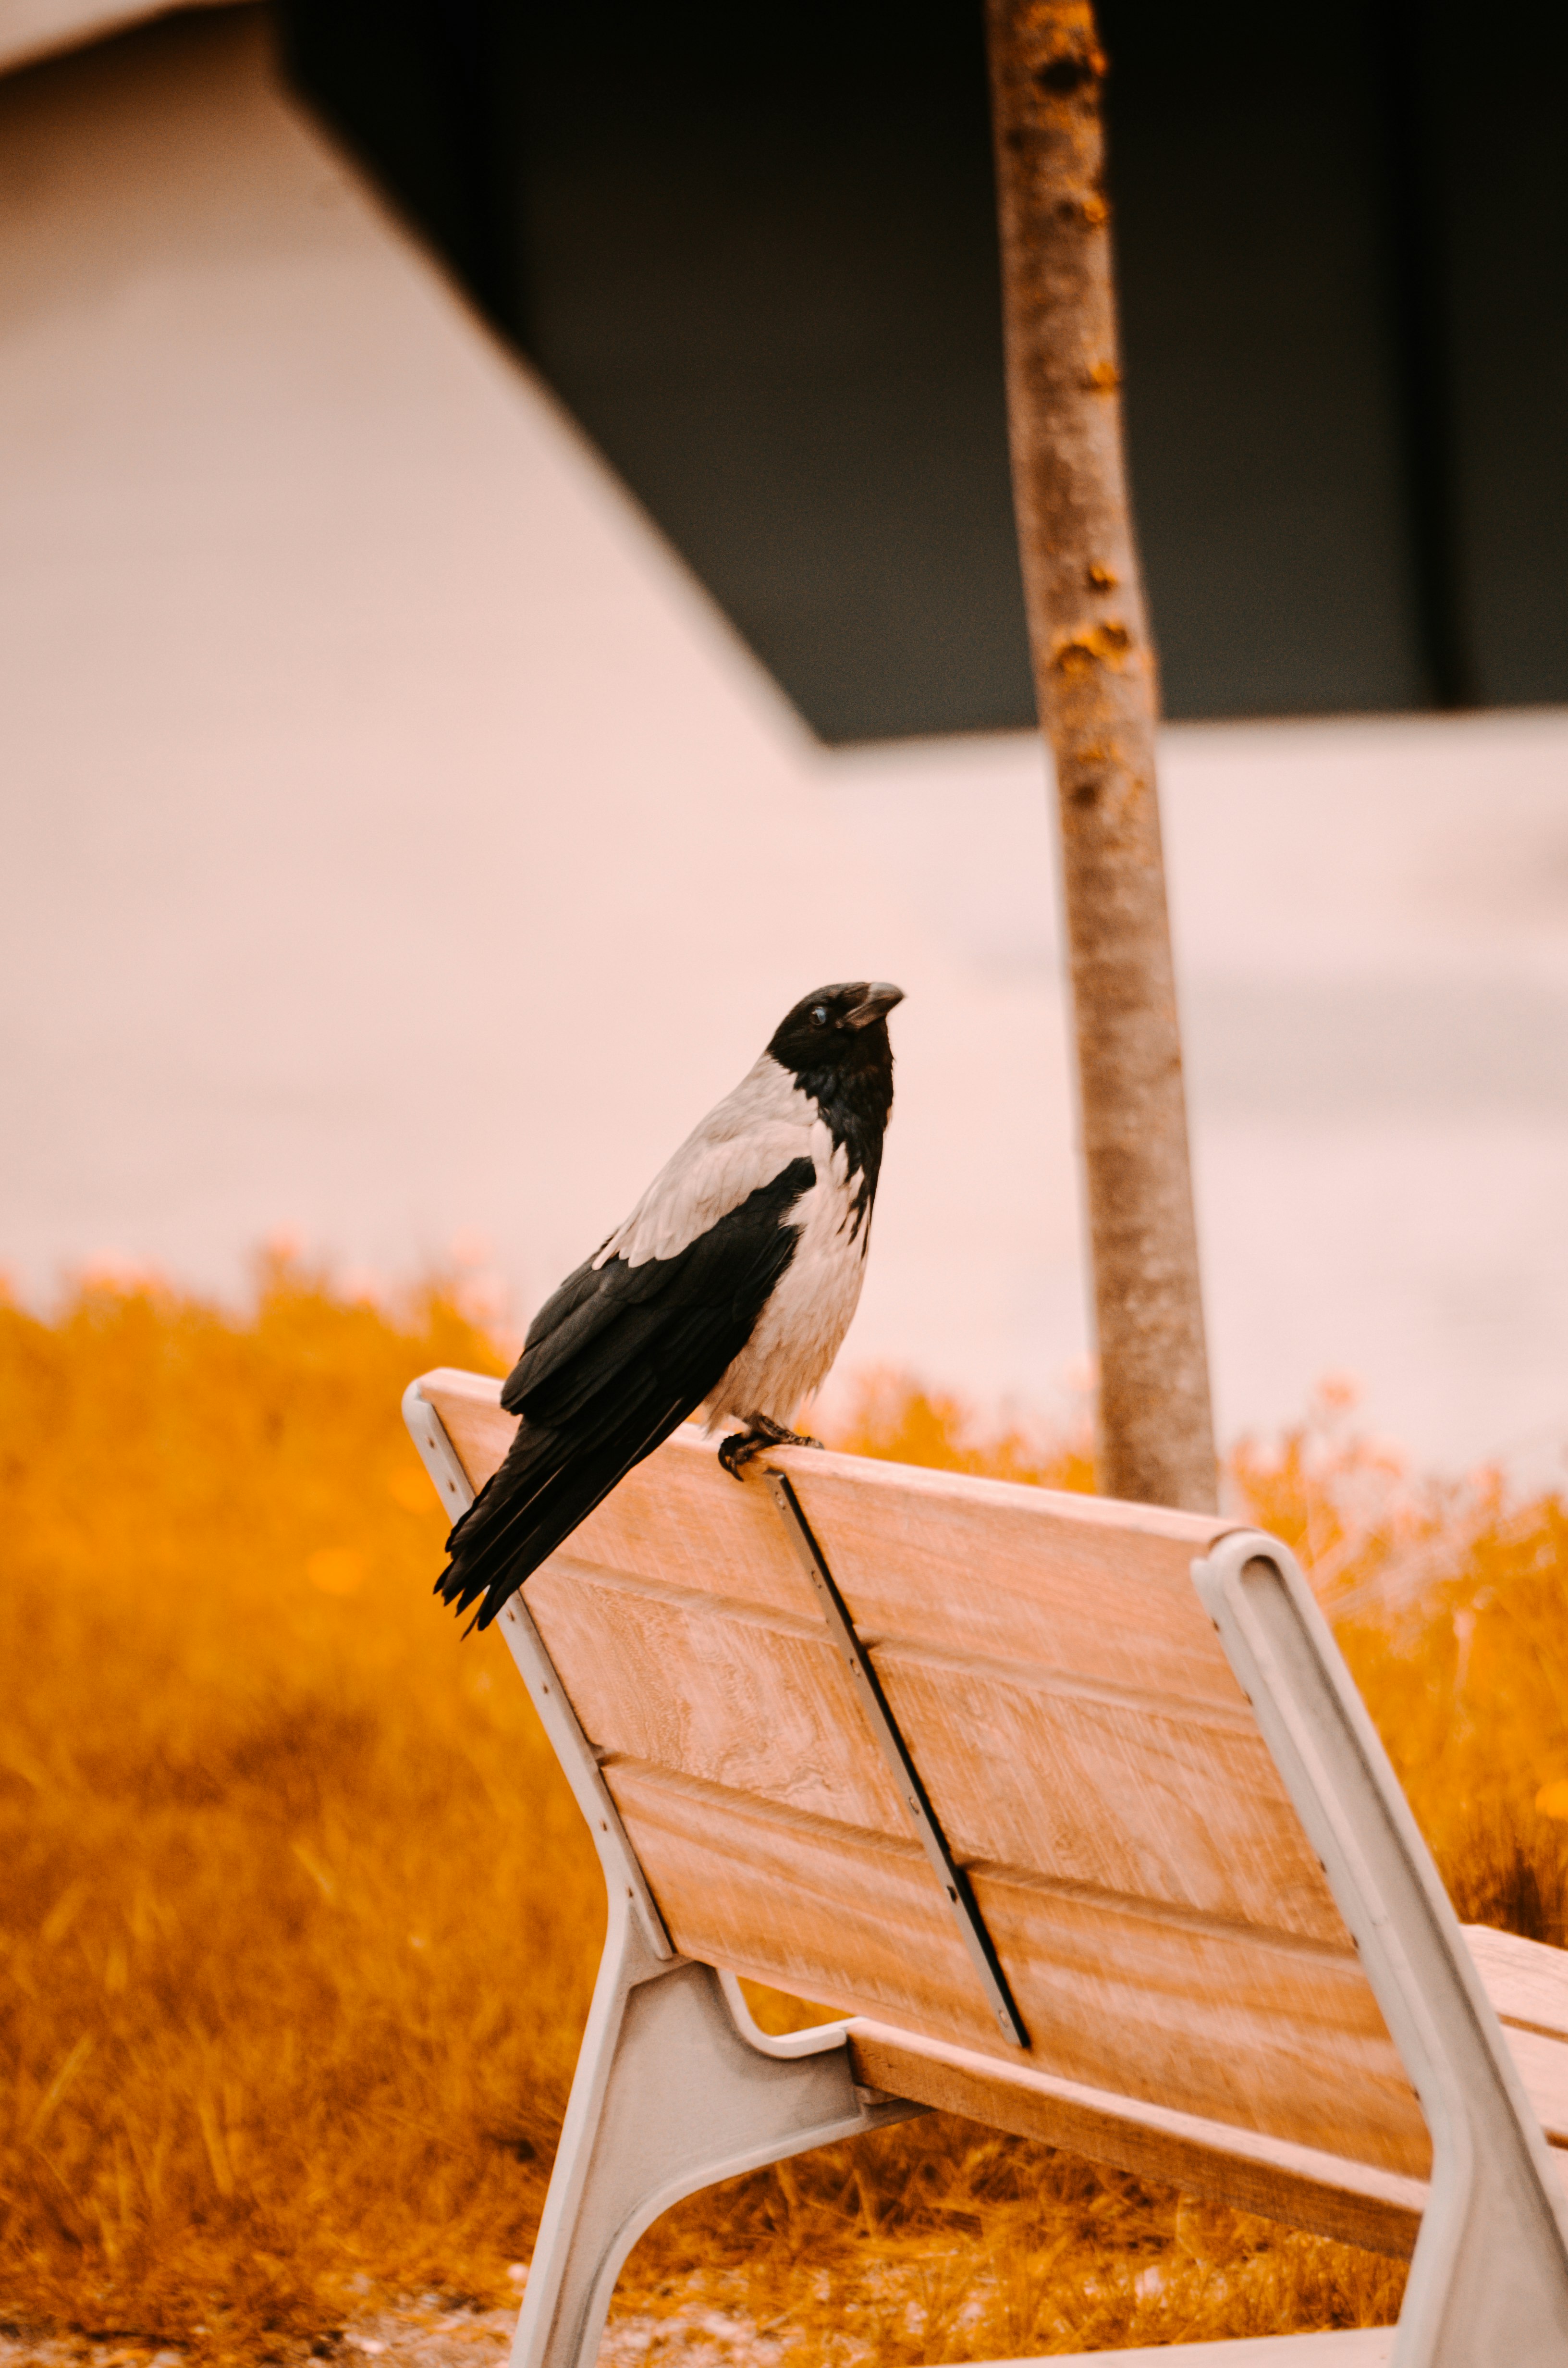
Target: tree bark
x,y
1096,683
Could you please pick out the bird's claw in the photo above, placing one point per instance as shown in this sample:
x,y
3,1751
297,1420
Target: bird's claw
x,y
739,1449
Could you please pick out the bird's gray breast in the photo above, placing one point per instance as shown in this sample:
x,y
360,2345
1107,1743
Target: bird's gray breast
x,y
802,1329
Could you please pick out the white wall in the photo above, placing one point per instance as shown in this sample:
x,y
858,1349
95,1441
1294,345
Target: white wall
x,y
398,847
400,842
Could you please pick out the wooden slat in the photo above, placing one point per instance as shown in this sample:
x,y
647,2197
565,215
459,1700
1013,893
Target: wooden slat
x,y
1543,2067
793,1898
1277,2035
1162,1802
1089,1589
1218,2020
1528,1985
1527,1981
774,1713
1324,2193
1075,1583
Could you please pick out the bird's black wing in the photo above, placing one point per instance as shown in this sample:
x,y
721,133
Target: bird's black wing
x,y
613,1362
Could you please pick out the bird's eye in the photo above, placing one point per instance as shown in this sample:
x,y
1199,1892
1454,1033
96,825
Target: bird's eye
x,y
818,1015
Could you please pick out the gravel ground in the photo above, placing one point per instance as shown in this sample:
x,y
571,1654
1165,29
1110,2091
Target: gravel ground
x,y
424,2334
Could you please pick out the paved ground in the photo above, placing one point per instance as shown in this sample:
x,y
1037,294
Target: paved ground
x,y
417,2337
399,850
414,2337
422,2333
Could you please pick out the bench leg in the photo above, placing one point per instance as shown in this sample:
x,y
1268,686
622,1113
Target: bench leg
x,y
668,2097
1489,2280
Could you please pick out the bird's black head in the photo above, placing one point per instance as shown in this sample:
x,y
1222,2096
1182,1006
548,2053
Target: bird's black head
x,y
838,1029
834,1042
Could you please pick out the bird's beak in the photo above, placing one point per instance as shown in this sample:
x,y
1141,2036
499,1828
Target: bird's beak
x,y
874,1004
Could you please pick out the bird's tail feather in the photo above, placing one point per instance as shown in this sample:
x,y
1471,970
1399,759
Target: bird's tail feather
x,y
551,1480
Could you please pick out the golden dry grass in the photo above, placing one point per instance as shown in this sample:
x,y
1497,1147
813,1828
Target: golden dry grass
x,y
298,1918
300,1924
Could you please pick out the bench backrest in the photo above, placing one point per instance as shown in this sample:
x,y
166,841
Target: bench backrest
x,y
1160,1918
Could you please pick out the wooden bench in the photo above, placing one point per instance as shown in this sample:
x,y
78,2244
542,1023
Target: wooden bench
x,y
1072,1809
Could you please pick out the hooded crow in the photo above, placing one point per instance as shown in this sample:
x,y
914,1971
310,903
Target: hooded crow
x,y
730,1288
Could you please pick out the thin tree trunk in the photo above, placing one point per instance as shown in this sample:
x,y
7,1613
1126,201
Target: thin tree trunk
x,y
1096,684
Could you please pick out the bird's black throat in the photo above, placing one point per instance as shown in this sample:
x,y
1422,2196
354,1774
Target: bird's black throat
x,y
853,1092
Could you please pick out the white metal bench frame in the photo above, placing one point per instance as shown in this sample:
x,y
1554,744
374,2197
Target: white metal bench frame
x,y
676,2087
